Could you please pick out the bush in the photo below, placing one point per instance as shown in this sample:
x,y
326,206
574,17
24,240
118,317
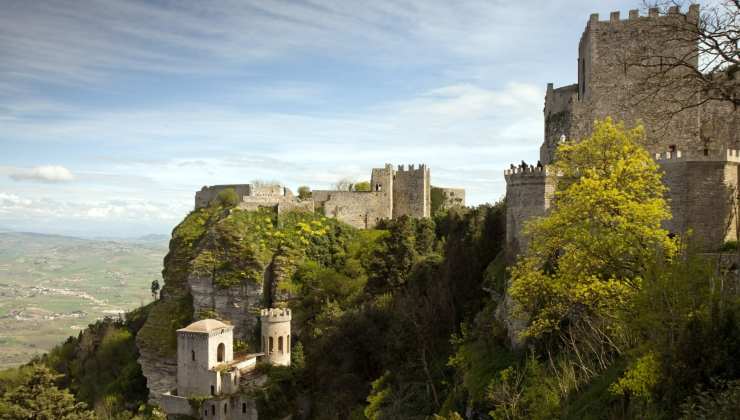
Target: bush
x,y
304,192
227,198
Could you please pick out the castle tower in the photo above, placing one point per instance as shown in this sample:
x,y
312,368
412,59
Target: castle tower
x,y
412,192
276,335
615,59
201,346
381,182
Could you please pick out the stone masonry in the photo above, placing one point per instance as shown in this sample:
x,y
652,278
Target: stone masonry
x,y
395,192
696,148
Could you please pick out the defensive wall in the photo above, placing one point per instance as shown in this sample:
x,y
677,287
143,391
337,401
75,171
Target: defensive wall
x,y
529,193
446,198
702,194
394,192
696,147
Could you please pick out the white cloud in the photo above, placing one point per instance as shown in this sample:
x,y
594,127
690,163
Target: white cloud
x,y
51,173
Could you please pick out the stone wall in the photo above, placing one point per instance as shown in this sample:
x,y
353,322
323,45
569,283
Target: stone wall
x,y
702,194
446,198
611,85
558,118
394,193
207,194
529,192
412,192
702,183
281,204
362,210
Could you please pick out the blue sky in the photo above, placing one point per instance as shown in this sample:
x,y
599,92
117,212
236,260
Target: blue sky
x,y
113,113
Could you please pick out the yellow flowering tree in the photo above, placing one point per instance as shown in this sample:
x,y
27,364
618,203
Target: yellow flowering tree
x,y
587,257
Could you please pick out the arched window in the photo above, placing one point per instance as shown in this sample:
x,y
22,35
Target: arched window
x,y
280,344
192,354
213,410
287,344
244,407
226,408
213,392
220,352
270,350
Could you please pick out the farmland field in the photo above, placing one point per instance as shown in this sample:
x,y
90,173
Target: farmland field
x,y
53,286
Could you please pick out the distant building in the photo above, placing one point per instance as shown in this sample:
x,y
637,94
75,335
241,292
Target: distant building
x,y
394,192
211,381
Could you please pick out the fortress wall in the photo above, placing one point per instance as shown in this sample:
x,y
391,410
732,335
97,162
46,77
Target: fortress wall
x,y
610,86
703,197
207,194
359,209
445,198
558,114
720,125
412,192
528,195
268,190
281,203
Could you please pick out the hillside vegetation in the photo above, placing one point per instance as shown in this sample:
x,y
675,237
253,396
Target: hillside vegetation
x,y
604,316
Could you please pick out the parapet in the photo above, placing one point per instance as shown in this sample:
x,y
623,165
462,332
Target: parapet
x,y
275,315
691,14
412,168
706,155
528,170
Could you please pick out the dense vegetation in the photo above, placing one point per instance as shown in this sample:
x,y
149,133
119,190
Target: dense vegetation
x,y
604,315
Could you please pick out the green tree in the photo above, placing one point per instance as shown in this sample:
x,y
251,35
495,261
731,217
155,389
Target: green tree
x,y
37,397
155,289
362,186
587,258
227,198
304,192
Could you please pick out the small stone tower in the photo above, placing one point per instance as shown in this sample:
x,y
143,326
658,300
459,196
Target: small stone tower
x,y
412,192
276,336
200,347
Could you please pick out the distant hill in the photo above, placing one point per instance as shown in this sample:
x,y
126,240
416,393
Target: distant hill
x,y
52,286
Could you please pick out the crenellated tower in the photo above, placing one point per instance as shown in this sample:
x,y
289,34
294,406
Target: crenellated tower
x,y
616,66
276,335
412,191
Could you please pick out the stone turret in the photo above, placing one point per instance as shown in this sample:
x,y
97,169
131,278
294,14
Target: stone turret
x,y
276,335
200,347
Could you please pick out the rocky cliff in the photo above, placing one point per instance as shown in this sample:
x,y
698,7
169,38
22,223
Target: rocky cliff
x,y
227,263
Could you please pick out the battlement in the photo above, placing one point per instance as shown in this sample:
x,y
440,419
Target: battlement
x,y
528,170
275,315
707,155
412,168
634,15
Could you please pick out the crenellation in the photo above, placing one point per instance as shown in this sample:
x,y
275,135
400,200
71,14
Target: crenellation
x,y
405,191
697,152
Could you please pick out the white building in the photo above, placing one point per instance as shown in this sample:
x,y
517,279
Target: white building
x,y
210,377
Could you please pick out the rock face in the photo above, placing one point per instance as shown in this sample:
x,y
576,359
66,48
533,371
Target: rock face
x,y
160,373
238,304
228,263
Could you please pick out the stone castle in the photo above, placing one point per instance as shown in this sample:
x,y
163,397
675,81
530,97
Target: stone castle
x,y
394,192
212,381
697,148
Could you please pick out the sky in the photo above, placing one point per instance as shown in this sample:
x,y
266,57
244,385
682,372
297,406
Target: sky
x,y
113,113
